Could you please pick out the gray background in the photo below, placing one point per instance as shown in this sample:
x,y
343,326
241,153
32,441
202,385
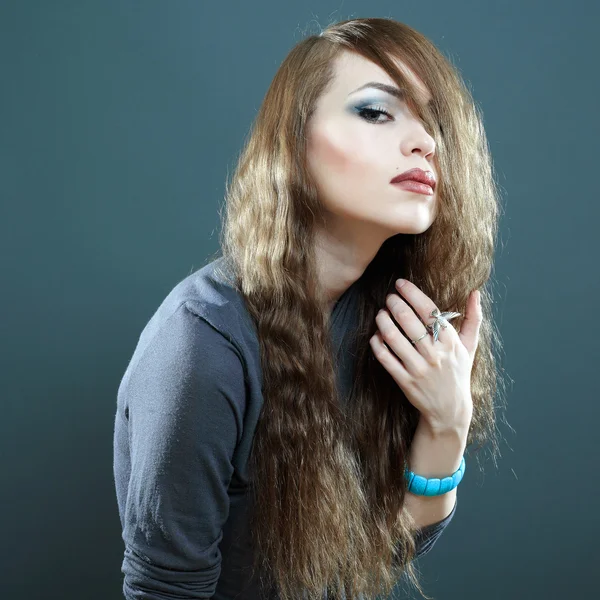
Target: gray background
x,y
120,122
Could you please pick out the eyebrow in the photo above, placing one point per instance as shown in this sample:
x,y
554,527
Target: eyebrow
x,y
384,87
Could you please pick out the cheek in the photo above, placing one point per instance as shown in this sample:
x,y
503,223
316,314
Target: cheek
x,y
337,154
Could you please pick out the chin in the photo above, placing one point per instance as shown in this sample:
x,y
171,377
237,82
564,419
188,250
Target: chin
x,y
413,228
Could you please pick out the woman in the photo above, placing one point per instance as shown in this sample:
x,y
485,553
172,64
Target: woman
x,y
273,423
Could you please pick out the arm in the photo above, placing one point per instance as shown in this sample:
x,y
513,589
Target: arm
x,y
434,453
183,397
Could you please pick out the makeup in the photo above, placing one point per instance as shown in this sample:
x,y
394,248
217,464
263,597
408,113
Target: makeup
x,y
410,185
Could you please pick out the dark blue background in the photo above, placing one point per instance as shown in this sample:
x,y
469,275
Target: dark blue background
x,y
120,121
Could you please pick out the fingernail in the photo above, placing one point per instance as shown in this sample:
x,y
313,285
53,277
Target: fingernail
x,y
400,282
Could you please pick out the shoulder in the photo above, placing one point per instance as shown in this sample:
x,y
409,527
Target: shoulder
x,y
192,353
199,311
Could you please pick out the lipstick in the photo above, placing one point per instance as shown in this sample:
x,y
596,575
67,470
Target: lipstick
x,y
410,185
416,180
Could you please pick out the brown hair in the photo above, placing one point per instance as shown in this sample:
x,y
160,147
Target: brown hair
x,y
329,483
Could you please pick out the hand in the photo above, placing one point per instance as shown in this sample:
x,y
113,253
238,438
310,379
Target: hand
x,y
434,376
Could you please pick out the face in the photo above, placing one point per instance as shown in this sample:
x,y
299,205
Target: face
x,y
354,151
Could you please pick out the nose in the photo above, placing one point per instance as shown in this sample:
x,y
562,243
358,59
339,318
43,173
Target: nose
x,y
418,140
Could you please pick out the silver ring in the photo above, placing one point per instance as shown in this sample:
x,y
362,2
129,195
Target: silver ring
x,y
415,341
441,321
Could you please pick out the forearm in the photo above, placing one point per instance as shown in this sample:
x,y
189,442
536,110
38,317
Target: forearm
x,y
434,454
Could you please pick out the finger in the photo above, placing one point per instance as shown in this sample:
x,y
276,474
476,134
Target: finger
x,y
406,317
469,331
423,306
389,360
399,345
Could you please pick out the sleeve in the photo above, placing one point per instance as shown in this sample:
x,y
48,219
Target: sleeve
x,y
428,535
185,399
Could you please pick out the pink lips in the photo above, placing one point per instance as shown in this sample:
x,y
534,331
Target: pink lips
x,y
416,180
411,185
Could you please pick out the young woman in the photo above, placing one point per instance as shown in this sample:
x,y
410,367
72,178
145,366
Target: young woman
x,y
292,423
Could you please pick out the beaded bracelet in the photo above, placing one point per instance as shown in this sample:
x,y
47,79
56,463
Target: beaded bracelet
x,y
422,486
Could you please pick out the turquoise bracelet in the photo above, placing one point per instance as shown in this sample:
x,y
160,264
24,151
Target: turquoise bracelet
x,y
434,487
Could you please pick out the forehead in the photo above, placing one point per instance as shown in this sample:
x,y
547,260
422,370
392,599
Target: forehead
x,y
353,70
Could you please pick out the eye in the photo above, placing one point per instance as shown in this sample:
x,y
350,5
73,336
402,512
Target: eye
x,y
363,112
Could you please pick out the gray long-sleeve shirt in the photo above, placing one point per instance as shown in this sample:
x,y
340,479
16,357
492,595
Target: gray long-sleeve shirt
x,y
187,408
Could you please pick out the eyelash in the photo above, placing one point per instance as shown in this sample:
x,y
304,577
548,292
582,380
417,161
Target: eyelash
x,y
377,110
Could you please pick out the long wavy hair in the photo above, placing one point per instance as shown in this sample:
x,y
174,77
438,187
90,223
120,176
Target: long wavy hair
x,y
328,483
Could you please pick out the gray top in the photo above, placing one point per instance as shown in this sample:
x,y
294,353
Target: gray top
x,y
187,408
